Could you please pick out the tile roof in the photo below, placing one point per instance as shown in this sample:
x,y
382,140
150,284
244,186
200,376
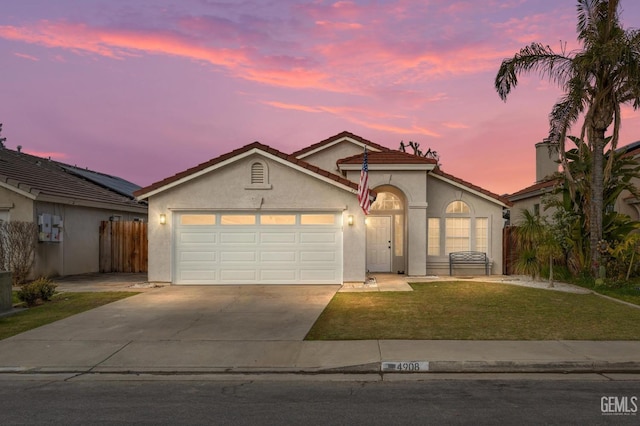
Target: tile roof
x,y
388,157
255,145
469,185
334,138
534,189
632,149
42,177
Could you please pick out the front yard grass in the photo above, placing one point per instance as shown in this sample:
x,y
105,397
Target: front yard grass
x,y
464,310
630,292
62,305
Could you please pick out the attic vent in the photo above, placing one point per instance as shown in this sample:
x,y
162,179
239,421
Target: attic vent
x,y
257,174
259,178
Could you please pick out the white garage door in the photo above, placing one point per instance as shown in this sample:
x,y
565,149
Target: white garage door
x,y
257,248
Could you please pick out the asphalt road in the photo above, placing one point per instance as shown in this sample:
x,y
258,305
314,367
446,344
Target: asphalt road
x,y
311,400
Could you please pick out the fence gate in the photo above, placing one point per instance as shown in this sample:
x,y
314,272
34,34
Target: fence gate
x,y
509,252
123,246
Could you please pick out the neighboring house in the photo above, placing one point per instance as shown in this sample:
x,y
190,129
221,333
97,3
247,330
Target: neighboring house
x,y
68,203
531,198
260,216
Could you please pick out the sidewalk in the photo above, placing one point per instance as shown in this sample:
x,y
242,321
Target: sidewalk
x,y
370,356
190,330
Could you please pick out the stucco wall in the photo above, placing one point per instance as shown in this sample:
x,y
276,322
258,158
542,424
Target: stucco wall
x,y
78,253
21,207
442,193
226,189
413,185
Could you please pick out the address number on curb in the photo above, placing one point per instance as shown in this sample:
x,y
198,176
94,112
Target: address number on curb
x,y
405,366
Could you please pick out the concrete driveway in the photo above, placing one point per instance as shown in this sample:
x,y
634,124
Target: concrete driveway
x,y
254,312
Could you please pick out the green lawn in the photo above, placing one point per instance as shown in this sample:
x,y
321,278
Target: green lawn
x,y
61,306
463,310
629,293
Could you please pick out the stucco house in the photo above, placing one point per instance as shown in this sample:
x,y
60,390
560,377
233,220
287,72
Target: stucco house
x,y
67,203
259,216
532,197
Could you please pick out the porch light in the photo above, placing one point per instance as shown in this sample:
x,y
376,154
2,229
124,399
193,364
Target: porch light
x,y
350,220
163,218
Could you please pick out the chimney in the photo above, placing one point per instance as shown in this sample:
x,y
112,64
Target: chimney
x,y
546,159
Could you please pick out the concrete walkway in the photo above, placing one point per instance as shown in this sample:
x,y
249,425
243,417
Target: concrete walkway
x,y
260,329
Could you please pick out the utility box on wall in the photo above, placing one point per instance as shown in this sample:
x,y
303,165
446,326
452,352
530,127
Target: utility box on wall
x,y
50,228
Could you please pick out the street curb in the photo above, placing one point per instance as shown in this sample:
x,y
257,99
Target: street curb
x,y
450,367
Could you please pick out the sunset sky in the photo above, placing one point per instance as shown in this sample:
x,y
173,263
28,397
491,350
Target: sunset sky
x,y
147,88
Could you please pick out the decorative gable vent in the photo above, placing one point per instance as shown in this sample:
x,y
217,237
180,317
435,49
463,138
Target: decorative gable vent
x,y
257,174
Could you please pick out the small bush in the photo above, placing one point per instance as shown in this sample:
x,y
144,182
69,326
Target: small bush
x,y
41,289
29,294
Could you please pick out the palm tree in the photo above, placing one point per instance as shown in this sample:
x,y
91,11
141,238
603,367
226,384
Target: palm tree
x,y
597,80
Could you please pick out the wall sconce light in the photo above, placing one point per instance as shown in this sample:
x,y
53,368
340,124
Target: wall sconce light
x,y
350,220
163,218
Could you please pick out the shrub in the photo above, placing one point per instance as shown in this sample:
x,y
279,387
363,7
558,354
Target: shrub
x,y
41,289
18,241
28,294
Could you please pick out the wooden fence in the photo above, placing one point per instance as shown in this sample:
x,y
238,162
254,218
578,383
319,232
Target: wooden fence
x,y
509,252
123,246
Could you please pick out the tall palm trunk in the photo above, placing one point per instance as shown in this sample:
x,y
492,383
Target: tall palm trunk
x,y
596,201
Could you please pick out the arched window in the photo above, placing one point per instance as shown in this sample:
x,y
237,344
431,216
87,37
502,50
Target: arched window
x,y
387,201
463,231
458,207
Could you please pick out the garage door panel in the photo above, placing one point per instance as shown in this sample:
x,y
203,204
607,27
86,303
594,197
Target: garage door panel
x,y
278,256
195,237
198,256
315,256
272,253
317,238
238,237
238,256
277,238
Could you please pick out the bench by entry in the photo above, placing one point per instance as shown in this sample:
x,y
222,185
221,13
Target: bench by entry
x,y
468,258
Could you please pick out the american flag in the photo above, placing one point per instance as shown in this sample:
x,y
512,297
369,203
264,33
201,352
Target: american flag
x,y
363,186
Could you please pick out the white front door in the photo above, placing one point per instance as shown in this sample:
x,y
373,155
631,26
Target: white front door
x,y
379,243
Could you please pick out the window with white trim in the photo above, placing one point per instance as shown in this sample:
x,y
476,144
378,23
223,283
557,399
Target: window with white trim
x,y
482,234
462,231
459,207
433,244
457,234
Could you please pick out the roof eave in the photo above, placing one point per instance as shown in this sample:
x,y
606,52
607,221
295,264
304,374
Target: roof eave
x,y
29,194
333,143
471,190
388,167
238,157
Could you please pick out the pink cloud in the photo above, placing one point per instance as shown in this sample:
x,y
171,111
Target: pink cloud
x,y
25,56
339,26
454,125
368,118
295,107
